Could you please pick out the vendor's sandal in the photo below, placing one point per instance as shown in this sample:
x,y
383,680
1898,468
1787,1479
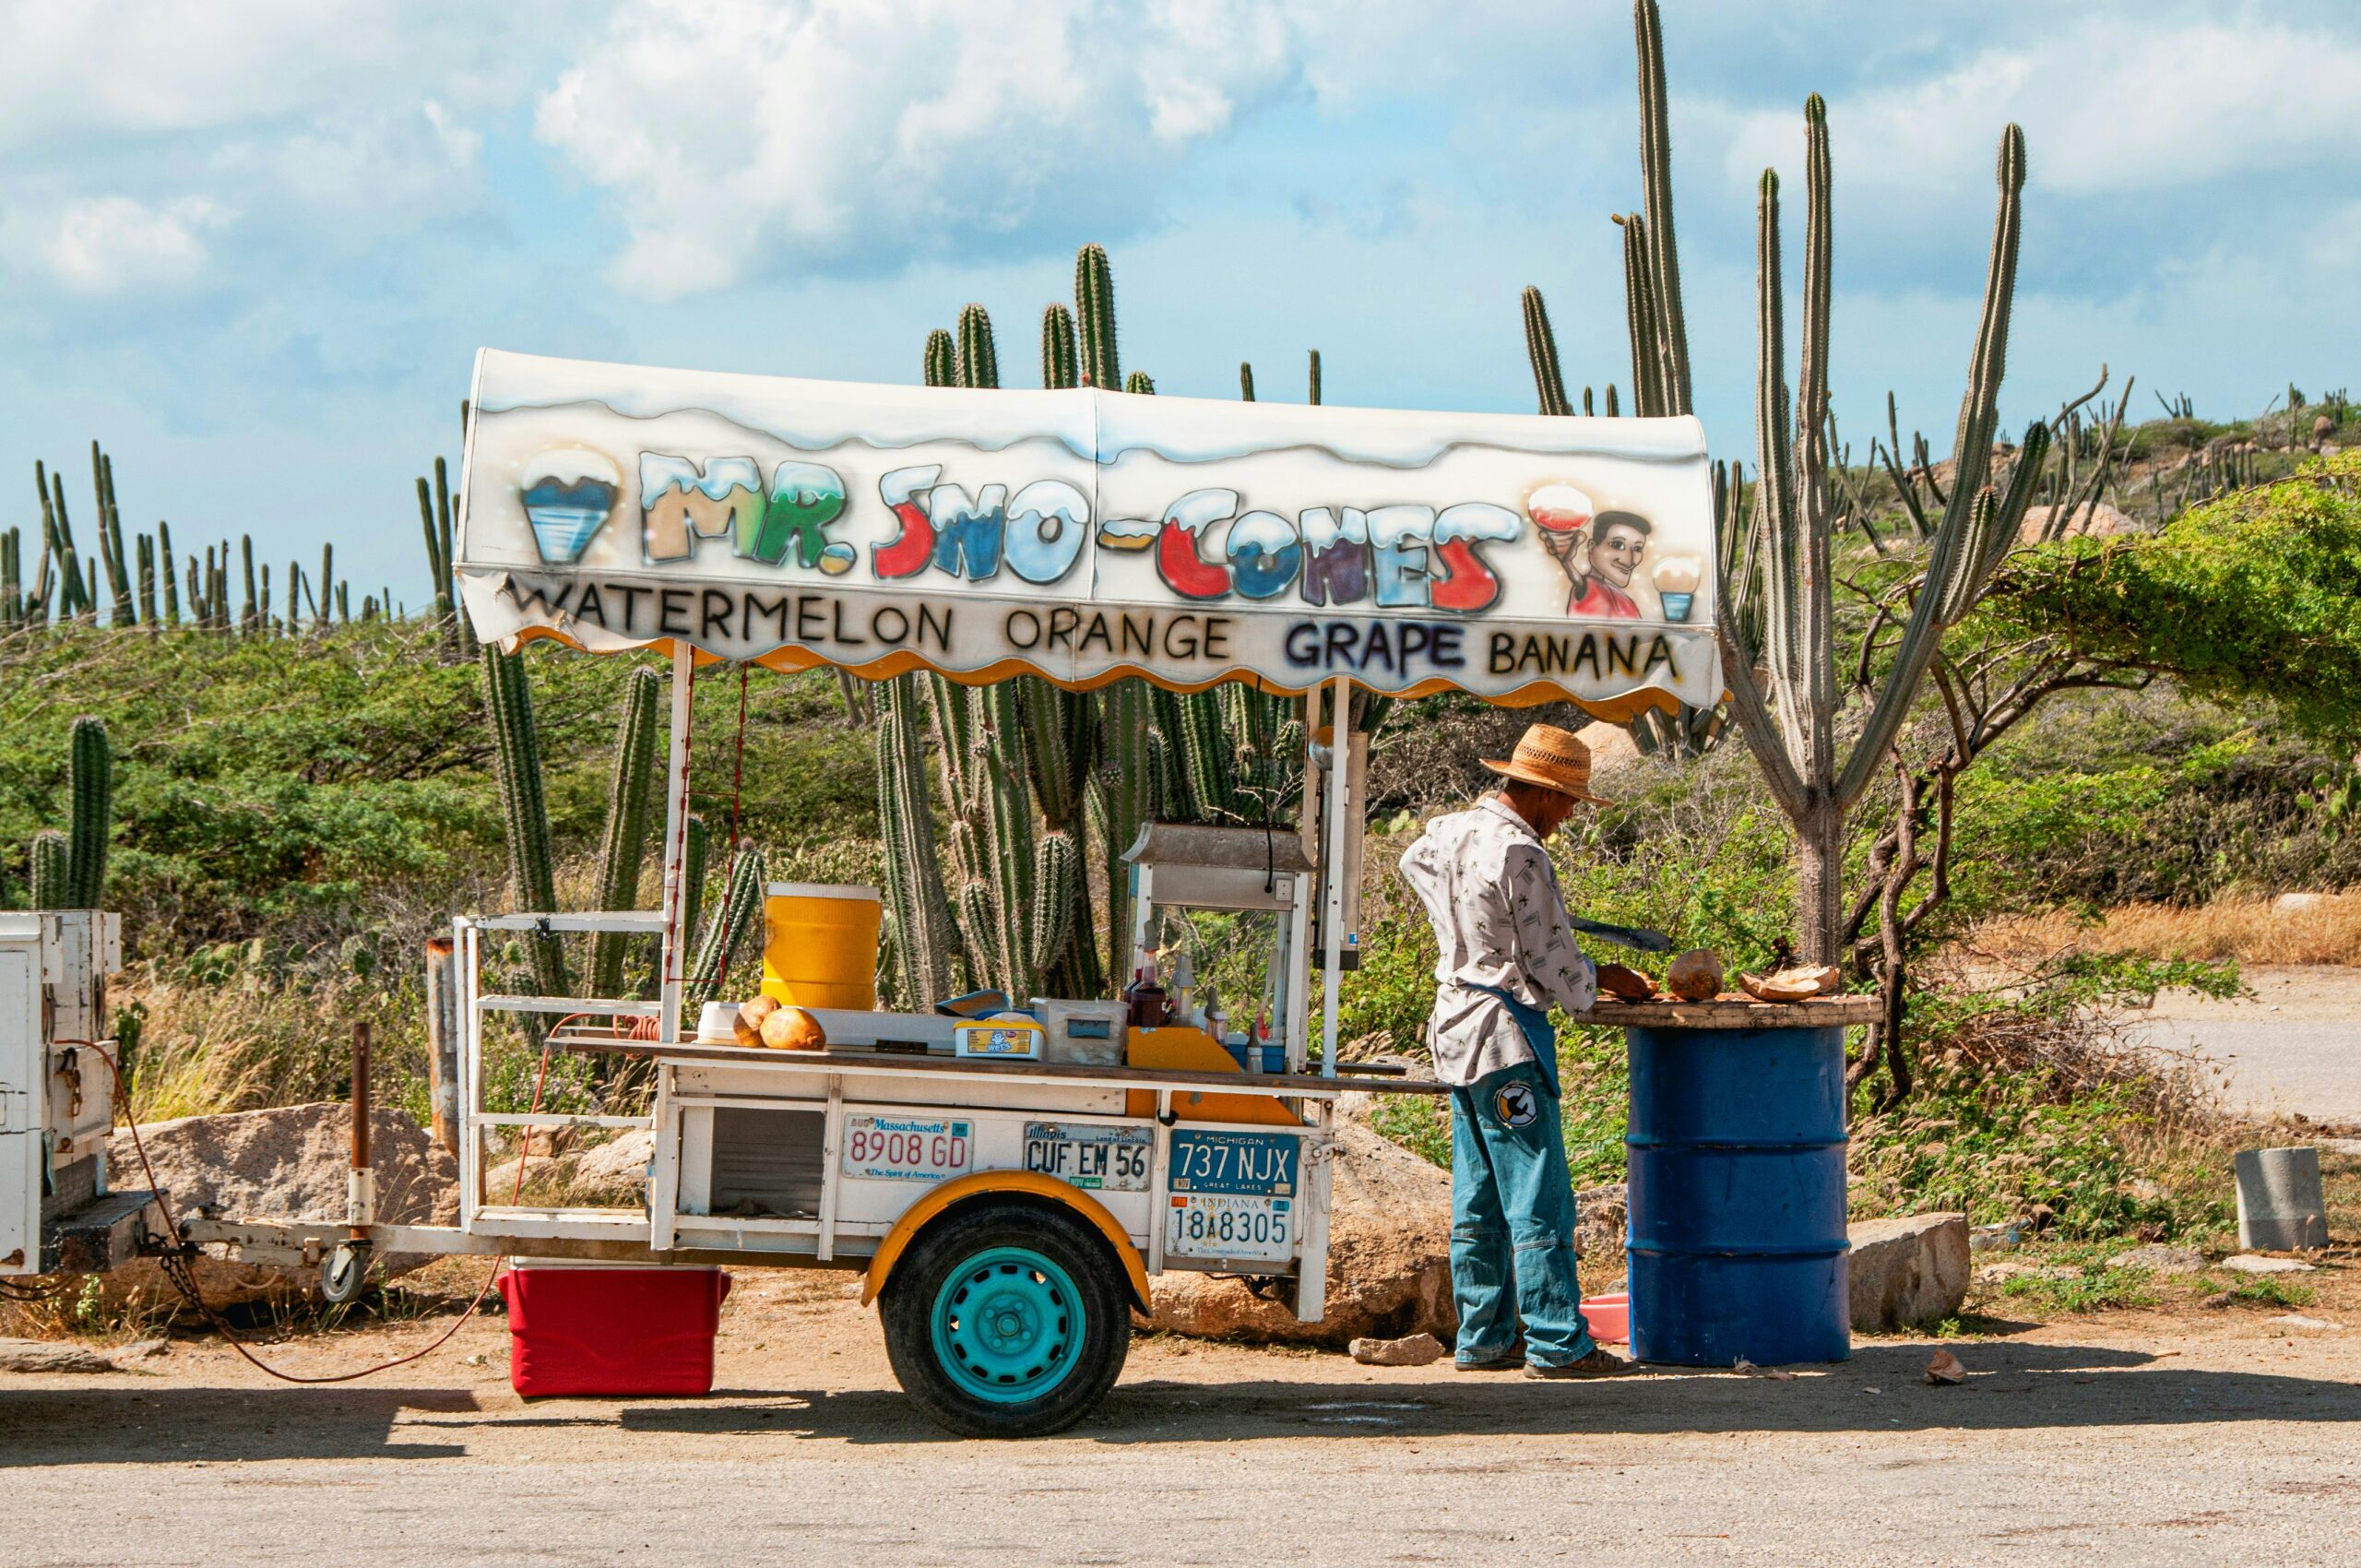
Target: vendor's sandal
x,y
1598,1364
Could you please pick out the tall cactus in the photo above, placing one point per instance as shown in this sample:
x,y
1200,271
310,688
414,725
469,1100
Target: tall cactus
x,y
164,570
257,607
12,588
1797,751
1126,791
941,360
1061,366
1641,320
1662,255
146,553
696,848
1245,381
52,878
734,926
516,752
1315,376
978,355
1541,349
924,933
111,552
90,783
1094,309
631,805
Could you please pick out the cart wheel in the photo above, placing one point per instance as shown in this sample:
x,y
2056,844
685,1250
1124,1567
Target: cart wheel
x,y
343,1272
1007,1320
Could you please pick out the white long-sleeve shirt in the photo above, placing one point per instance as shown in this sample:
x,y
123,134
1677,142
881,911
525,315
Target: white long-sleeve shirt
x,y
1499,921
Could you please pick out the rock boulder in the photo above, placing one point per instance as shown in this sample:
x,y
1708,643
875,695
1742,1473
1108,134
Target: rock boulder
x,y
1389,1261
1907,1271
289,1162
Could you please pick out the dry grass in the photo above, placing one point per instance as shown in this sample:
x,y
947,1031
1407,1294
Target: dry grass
x,y
2252,931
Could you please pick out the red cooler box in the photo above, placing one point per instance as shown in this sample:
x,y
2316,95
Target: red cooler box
x,y
602,1329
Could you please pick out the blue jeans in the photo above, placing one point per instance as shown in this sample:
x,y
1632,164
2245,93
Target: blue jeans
x,y
1512,1222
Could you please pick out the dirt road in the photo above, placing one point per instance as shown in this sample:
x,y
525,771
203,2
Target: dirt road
x,y
2294,1046
2129,1438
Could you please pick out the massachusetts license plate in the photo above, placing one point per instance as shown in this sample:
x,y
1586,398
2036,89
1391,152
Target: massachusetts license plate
x,y
1111,1159
1226,1225
906,1148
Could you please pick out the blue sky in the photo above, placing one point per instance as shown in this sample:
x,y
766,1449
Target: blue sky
x,y
252,247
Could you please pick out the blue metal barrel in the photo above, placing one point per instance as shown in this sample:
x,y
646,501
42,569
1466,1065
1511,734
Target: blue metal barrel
x,y
1737,1146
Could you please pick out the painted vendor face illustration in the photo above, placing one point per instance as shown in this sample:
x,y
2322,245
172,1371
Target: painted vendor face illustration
x,y
1599,552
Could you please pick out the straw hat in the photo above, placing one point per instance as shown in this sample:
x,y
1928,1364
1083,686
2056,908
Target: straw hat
x,y
1553,758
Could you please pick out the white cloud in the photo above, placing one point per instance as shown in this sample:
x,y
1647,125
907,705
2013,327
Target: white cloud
x,y
114,245
737,138
2107,108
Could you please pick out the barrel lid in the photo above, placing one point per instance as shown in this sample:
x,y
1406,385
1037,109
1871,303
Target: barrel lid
x,y
821,890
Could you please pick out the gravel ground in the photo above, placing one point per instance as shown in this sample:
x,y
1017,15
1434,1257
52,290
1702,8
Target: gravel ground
x,y
2135,1437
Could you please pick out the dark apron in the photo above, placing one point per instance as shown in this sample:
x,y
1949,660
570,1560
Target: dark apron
x,y
1534,1022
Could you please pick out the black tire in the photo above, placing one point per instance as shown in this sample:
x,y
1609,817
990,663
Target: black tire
x,y
966,1237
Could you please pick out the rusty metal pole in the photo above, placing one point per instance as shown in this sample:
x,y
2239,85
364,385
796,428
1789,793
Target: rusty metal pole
x,y
442,1042
360,1194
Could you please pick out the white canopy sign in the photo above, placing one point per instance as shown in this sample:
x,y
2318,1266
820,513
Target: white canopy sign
x,y
1082,535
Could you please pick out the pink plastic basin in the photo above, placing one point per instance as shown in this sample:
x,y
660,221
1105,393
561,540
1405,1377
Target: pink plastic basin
x,y
1610,1317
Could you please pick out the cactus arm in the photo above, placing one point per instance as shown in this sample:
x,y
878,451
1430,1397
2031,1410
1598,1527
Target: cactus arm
x,y
1206,755
1094,309
1656,167
1901,485
1541,350
1960,562
1245,381
1059,368
1979,405
1010,836
1139,385
1640,318
1124,795
1811,511
979,363
922,923
739,922
1782,590
631,796
532,877
1315,377
53,877
92,825
942,358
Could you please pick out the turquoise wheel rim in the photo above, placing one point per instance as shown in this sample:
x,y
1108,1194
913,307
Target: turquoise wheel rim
x,y
1008,1326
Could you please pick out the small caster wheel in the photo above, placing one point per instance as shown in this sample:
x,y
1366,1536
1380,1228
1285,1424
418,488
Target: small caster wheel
x,y
343,1272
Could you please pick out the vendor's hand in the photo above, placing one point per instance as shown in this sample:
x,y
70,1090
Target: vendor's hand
x,y
1617,979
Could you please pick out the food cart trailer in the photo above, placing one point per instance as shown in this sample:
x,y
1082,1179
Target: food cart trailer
x,y
1008,1212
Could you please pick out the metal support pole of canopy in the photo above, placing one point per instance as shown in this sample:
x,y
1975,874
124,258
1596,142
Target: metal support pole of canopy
x,y
676,841
1332,867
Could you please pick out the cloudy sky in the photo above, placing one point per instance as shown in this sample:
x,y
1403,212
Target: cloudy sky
x,y
251,246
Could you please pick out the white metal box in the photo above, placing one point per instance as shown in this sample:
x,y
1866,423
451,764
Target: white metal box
x,y
1082,1034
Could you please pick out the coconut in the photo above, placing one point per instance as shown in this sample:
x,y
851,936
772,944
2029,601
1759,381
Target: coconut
x,y
748,1024
1794,985
793,1029
1695,976
1625,985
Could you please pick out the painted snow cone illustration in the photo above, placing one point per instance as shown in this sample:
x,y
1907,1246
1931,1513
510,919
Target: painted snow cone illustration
x,y
567,495
1677,578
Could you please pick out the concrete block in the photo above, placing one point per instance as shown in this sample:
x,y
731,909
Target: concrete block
x,y
1907,1271
2282,1207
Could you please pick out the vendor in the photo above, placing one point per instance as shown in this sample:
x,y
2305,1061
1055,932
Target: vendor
x,y
1506,955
